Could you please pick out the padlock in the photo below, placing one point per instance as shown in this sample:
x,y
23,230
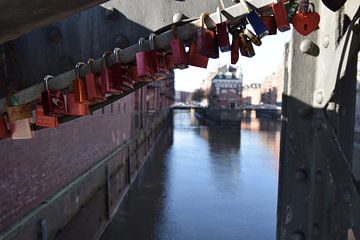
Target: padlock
x,y
222,34
235,45
281,16
270,24
169,60
252,37
257,24
79,85
334,5
21,129
107,86
119,72
16,111
93,85
53,100
178,51
4,131
133,75
156,60
206,39
246,47
195,58
306,22
42,120
75,108
143,64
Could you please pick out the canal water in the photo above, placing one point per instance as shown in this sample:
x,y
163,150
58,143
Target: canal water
x,y
205,183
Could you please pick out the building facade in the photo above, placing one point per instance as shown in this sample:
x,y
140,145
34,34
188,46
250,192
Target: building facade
x,y
225,89
269,91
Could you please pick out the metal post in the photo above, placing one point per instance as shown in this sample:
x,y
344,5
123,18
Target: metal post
x,y
318,194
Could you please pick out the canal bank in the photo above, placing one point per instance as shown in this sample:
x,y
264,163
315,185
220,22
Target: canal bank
x,y
205,183
85,206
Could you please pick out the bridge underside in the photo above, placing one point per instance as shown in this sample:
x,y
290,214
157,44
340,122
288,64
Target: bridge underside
x,y
21,16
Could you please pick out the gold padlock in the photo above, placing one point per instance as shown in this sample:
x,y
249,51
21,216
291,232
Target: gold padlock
x,y
246,47
253,38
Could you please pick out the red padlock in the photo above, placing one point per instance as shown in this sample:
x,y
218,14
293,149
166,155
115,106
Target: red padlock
x,y
41,120
178,51
196,59
169,59
107,86
235,45
79,85
281,16
75,108
119,73
143,64
222,34
93,85
270,24
206,39
4,131
305,21
53,101
156,60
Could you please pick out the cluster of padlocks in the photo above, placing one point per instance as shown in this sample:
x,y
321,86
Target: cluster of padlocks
x,y
156,64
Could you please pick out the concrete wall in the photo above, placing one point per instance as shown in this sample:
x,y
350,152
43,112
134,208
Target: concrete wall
x,y
36,170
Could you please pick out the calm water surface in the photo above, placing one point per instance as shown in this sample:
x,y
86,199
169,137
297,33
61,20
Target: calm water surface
x,y
205,183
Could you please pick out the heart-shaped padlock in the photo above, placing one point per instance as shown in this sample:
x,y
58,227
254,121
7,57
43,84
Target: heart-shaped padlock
x,y
306,23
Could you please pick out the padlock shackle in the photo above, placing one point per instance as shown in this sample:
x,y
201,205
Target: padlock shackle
x,y
117,54
202,18
90,63
105,57
152,37
77,69
46,79
141,42
173,31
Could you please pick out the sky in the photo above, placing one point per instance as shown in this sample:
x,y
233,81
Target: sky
x,y
267,59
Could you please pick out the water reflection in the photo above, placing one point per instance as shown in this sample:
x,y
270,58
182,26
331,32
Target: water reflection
x,y
205,183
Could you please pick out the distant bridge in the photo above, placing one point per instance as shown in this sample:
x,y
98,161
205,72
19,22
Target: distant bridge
x,y
270,107
186,106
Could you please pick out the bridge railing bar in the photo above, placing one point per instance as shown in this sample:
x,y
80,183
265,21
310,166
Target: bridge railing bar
x,y
127,55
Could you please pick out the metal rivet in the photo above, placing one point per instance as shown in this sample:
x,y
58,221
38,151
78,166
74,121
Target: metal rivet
x,y
301,175
309,47
298,236
326,41
319,97
178,17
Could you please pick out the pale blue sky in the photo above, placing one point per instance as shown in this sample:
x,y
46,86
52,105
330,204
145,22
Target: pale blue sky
x,y
267,59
